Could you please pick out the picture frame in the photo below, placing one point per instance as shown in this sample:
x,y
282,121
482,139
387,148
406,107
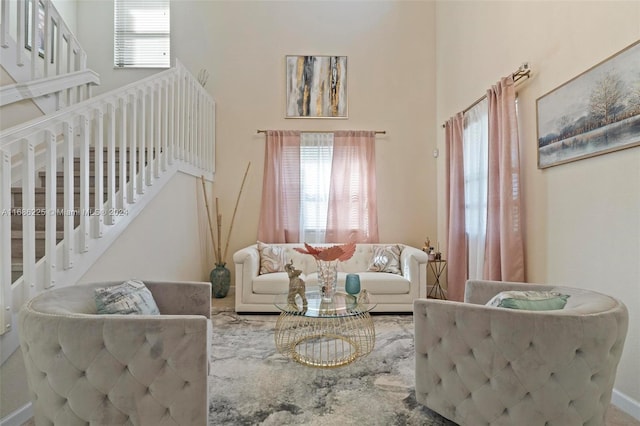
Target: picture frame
x,y
594,113
316,86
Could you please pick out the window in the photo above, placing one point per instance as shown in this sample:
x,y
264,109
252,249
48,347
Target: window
x,y
319,187
142,34
316,155
475,143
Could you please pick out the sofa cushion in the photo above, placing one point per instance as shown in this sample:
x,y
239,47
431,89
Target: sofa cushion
x,y
374,282
272,258
273,283
380,283
385,259
529,300
130,297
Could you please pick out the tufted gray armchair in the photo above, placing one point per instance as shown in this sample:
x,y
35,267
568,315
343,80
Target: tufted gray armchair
x,y
480,365
83,368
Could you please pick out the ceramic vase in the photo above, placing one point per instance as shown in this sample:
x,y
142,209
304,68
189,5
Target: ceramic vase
x,y
352,284
220,280
327,278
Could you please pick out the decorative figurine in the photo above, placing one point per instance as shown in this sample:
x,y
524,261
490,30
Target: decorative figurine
x,y
296,285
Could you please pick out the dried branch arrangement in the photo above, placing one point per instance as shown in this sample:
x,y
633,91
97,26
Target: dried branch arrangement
x,y
220,256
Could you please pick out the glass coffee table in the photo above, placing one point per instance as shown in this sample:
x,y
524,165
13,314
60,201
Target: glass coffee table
x,y
324,333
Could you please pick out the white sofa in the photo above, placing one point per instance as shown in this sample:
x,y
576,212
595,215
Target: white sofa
x,y
391,292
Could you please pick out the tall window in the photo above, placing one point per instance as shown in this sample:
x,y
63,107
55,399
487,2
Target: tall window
x,y
142,34
475,137
319,187
316,155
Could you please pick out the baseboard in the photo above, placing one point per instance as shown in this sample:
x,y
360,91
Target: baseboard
x,y
18,417
626,404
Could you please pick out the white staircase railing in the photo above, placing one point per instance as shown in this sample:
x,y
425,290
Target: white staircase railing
x,y
35,44
130,139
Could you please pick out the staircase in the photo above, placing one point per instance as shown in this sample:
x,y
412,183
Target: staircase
x,y
103,158
53,73
72,180
17,210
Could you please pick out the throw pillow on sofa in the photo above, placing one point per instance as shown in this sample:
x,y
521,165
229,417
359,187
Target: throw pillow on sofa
x,y
130,297
386,259
272,258
529,300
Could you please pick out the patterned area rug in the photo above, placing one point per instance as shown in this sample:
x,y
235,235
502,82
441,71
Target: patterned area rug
x,y
252,384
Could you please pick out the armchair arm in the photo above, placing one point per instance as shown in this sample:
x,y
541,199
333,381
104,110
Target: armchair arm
x,y
414,267
247,263
182,298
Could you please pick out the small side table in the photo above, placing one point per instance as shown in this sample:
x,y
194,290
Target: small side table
x,y
437,267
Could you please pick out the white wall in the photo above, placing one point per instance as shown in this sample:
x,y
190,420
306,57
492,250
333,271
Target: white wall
x,y
163,242
582,218
67,9
17,112
391,73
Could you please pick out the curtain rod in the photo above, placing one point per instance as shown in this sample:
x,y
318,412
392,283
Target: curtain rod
x,y
524,72
377,132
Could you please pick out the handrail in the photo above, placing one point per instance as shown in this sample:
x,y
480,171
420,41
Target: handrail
x,y
46,86
128,137
56,51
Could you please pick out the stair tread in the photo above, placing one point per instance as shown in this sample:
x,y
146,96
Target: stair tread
x,y
39,234
42,190
76,173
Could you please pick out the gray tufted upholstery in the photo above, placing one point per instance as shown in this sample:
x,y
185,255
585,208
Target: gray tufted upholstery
x,y
83,368
479,365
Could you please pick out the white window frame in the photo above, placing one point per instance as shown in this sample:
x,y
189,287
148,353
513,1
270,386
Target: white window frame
x,y
142,34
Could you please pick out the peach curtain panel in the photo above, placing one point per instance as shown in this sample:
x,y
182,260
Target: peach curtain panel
x,y
455,218
353,208
280,207
352,212
504,252
504,248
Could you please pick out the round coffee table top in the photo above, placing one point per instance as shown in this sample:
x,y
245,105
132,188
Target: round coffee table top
x,y
341,305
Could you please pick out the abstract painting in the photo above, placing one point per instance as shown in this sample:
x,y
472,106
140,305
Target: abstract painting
x,y
316,87
594,113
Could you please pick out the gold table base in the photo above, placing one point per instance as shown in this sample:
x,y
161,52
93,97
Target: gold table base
x,y
325,341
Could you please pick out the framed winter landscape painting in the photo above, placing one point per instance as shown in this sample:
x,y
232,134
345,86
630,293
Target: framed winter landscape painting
x,y
316,87
594,113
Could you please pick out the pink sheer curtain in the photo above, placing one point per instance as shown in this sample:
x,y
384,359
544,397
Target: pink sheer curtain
x,y
353,211
504,252
280,208
455,217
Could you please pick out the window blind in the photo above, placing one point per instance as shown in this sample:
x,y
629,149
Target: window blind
x,y
142,34
316,155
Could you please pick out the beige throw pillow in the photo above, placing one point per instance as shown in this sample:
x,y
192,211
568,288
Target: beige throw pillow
x,y
271,258
386,259
130,297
